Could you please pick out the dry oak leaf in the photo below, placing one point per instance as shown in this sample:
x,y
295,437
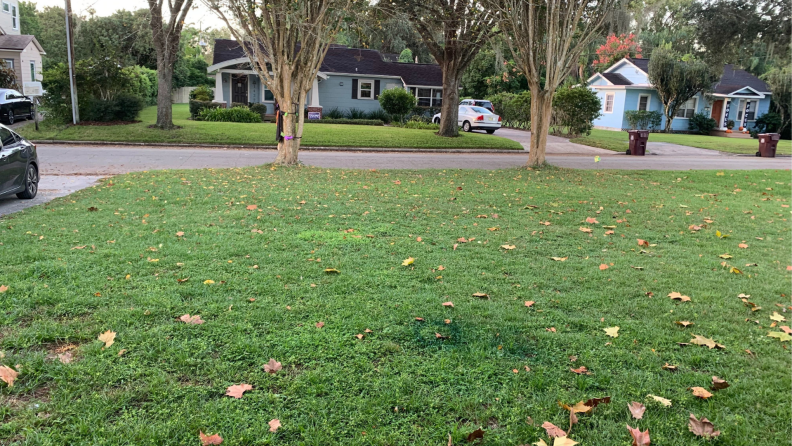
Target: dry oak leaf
x,y
236,391
209,439
603,267
448,304
669,367
591,220
725,256
274,425
475,435
359,335
251,207
678,296
559,259
108,338
180,233
786,329
529,303
612,331
481,295
508,246
8,375
319,324
332,271
642,242
701,340
719,384
639,438
439,336
564,441
408,261
584,229
636,409
553,431
700,392
661,400
272,367
3,288
582,370
684,323
742,245
702,428
594,402
192,320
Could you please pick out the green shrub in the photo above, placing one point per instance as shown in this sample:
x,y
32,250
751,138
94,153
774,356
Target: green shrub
x,y
333,113
380,114
259,108
574,110
197,106
767,123
239,104
202,93
397,102
418,123
355,113
128,107
701,124
643,120
345,121
123,107
234,114
514,109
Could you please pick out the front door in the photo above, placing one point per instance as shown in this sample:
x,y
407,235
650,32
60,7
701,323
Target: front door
x,y
717,109
239,88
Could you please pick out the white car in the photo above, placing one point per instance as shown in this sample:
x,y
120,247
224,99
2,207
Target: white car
x,y
475,118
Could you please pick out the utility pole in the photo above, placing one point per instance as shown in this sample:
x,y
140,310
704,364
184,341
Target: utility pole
x,y
70,56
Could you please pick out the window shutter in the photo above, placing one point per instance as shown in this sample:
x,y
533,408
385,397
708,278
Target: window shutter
x,y
354,88
376,89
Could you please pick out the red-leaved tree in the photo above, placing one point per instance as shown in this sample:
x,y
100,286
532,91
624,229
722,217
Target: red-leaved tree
x,y
615,49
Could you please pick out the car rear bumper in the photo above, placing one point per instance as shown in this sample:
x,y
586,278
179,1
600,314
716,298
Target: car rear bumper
x,y
486,125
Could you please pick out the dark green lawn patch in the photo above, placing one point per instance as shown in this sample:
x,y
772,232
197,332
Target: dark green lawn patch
x,y
73,274
231,133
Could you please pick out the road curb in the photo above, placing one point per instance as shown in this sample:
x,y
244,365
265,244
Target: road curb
x,y
273,147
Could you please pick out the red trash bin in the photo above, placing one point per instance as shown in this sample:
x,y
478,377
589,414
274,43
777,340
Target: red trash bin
x,y
767,144
638,140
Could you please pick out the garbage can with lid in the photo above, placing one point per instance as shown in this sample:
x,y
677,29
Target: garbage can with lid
x,y
638,140
767,144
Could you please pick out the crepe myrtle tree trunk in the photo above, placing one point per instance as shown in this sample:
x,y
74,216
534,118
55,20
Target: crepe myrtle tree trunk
x,y
293,122
670,110
449,111
541,113
164,87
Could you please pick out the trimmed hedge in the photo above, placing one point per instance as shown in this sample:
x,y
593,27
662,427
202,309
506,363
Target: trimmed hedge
x,y
197,106
234,114
346,121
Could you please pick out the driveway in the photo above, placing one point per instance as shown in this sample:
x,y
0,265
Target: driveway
x,y
555,145
67,168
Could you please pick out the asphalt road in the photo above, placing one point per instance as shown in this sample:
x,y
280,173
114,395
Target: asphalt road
x,y
67,168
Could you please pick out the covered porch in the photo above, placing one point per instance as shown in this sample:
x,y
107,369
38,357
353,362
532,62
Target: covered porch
x,y
236,83
742,106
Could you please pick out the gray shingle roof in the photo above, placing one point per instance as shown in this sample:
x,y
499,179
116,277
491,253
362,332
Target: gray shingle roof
x,y
341,59
16,42
616,79
643,64
734,79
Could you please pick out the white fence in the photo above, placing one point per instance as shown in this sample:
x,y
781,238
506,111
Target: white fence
x,y
182,95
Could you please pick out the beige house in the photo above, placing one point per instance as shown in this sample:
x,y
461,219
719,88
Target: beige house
x,y
20,52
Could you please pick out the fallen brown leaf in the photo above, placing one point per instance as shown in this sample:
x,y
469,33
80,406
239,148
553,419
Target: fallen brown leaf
x,y
702,428
481,295
642,242
636,409
108,338
552,430
684,323
448,304
209,439
669,367
192,320
274,425
475,435
678,296
582,370
719,384
236,391
8,375
529,303
700,392
701,340
603,267
319,324
639,438
273,366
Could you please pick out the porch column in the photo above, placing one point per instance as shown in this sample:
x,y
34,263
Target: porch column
x,y
314,109
725,114
218,91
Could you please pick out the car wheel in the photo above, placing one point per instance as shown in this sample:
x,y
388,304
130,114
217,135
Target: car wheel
x,y
31,184
490,131
466,127
10,118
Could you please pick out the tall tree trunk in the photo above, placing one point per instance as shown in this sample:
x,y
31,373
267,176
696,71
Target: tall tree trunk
x,y
541,113
164,84
449,112
288,148
669,113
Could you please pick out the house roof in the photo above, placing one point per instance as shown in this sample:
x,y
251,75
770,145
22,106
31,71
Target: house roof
x,y
616,79
356,61
18,42
642,64
734,79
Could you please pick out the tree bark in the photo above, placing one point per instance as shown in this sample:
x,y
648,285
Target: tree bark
x,y
449,111
541,113
164,84
669,112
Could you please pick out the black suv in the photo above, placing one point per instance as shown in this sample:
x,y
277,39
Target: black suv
x,y
14,105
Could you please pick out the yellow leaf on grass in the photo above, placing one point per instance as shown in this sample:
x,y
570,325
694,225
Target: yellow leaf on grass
x,y
108,338
661,400
678,296
564,441
612,331
783,337
777,317
559,259
584,229
331,271
508,246
208,282
408,261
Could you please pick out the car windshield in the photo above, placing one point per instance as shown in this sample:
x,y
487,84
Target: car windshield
x,y
481,110
484,103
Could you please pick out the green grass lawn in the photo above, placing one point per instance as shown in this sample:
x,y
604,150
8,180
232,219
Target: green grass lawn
x,y
227,133
612,140
134,254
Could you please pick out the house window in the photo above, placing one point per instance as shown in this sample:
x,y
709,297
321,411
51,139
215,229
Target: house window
x,y
6,7
366,90
14,16
687,110
428,97
643,102
32,71
609,102
9,63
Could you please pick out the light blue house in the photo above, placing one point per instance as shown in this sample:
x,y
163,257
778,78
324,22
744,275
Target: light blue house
x,y
738,96
348,78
